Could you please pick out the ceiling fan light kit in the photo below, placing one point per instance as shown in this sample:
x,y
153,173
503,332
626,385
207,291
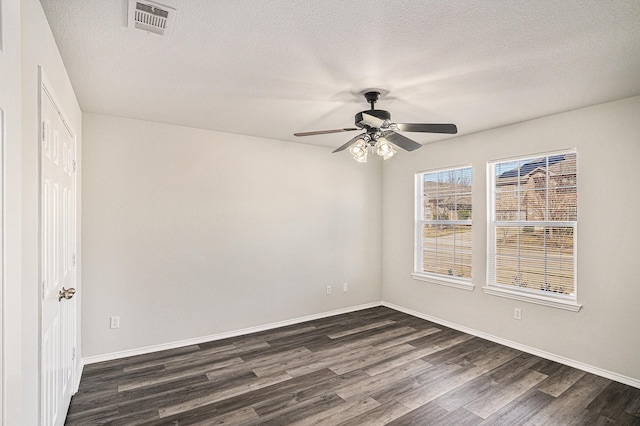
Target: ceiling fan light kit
x,y
384,149
380,134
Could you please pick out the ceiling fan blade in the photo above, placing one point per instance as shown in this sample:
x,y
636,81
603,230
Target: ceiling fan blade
x,y
346,145
324,132
428,128
402,141
372,121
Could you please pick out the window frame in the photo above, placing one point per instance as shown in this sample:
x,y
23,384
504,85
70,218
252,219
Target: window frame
x,y
418,266
541,297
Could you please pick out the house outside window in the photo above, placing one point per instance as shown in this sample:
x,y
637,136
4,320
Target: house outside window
x,y
443,227
532,229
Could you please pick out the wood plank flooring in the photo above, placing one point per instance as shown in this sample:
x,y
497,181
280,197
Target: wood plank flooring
x,y
372,367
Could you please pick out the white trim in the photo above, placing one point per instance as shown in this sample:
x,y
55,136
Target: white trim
x,y
554,302
79,370
535,155
543,354
445,169
418,237
526,295
2,241
225,335
455,282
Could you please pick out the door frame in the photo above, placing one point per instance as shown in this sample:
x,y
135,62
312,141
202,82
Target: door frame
x,y
44,85
2,242
2,230
11,262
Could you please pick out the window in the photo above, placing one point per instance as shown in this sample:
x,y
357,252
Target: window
x,y
443,227
532,229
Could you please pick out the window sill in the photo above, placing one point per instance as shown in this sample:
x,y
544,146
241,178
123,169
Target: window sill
x,y
568,305
462,283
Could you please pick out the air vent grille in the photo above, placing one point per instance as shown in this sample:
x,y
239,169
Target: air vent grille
x,y
151,17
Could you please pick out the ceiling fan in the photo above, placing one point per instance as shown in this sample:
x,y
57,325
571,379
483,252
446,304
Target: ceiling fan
x,y
380,133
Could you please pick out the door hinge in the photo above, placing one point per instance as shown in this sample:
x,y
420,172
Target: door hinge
x,y
73,259
74,166
73,353
46,124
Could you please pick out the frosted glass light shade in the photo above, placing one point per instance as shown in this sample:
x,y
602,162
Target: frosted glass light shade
x,y
358,148
361,158
359,151
384,149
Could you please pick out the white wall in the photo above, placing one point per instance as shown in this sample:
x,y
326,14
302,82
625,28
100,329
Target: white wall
x,y
10,108
190,233
605,333
38,48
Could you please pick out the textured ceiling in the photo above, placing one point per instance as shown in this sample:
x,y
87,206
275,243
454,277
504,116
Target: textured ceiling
x,y
272,68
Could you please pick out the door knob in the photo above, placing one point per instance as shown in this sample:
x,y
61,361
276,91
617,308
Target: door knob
x,y
66,293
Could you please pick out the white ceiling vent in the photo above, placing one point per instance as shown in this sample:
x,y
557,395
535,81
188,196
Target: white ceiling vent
x,y
151,17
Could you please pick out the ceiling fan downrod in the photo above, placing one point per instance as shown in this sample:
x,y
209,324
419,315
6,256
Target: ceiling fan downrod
x,y
372,98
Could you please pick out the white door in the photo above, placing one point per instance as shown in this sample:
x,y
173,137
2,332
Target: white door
x,y
58,258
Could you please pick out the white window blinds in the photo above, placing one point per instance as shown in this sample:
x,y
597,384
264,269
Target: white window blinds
x,y
443,223
533,223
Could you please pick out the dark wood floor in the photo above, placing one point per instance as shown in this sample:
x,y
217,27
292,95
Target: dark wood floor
x,y
371,367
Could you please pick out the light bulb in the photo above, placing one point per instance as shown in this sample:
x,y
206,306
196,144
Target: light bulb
x,y
358,148
362,158
384,149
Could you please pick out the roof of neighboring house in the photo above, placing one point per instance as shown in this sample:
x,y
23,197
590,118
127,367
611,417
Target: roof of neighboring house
x,y
533,165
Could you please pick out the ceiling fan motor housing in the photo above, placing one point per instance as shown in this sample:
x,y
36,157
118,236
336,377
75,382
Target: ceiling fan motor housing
x,y
379,113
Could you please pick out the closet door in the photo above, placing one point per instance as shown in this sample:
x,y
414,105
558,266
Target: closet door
x,y
58,258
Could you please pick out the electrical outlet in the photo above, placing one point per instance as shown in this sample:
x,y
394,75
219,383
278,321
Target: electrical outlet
x,y
345,287
517,313
115,322
328,289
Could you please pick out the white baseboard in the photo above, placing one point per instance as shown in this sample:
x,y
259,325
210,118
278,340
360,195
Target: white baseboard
x,y
220,336
543,354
